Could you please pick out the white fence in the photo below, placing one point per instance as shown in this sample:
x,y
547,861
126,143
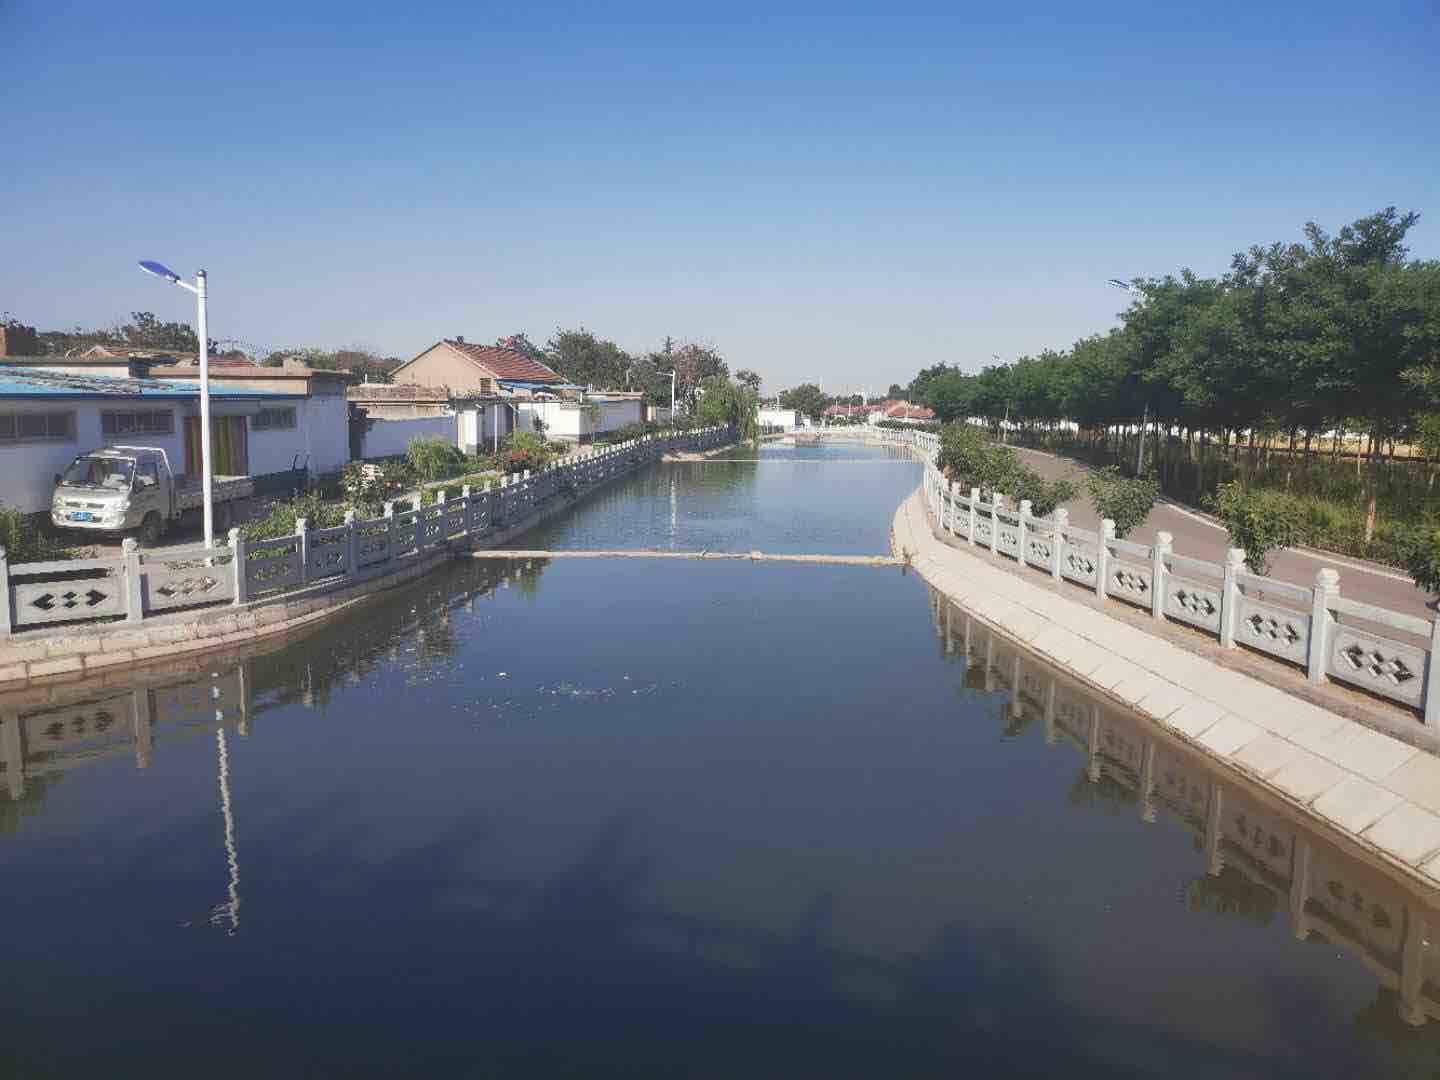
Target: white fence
x,y
1313,627
139,584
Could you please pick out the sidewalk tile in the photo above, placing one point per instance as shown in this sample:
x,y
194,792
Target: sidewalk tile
x,y
1418,780
1164,700
1407,832
1356,803
1366,752
1195,717
1228,735
1307,776
1266,755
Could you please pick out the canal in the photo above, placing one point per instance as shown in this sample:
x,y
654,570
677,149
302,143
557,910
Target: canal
x,y
635,817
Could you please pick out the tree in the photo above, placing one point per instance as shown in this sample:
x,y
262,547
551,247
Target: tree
x,y
806,399
895,392
693,364
749,379
587,360
720,401
1125,500
145,331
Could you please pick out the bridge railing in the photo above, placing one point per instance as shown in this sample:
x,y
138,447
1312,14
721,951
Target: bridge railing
x,y
137,585
1310,627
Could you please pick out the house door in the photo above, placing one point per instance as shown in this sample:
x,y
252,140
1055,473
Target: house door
x,y
229,445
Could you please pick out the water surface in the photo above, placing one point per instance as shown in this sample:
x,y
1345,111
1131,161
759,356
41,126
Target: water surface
x,y
631,818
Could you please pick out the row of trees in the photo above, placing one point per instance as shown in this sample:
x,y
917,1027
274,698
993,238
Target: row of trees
x,y
584,358
1338,332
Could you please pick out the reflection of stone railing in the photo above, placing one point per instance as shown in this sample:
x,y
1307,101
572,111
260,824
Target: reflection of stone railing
x,y
1384,652
137,585
1250,846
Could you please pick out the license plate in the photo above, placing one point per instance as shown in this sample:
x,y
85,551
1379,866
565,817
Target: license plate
x,y
82,515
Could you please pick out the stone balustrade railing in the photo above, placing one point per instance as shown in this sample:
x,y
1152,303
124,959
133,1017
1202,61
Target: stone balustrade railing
x,y
1313,627
137,585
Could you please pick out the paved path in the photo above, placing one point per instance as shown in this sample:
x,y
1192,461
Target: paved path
x,y
1380,792
1200,538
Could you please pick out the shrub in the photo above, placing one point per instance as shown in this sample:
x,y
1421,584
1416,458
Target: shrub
x,y
24,540
1422,558
1125,500
281,519
967,457
434,459
1259,521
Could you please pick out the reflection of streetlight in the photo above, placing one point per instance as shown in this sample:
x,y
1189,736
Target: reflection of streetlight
x,y
160,270
229,911
1145,413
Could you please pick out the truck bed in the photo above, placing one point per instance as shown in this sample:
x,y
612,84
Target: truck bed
x,y
223,489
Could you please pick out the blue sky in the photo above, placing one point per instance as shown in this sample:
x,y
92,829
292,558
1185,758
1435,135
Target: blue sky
x,y
848,195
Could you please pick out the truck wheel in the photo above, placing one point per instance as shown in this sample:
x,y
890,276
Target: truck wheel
x,y
151,529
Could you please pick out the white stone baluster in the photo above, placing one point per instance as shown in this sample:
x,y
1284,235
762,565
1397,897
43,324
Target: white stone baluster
x,y
1158,573
1102,557
1061,521
1230,595
1327,588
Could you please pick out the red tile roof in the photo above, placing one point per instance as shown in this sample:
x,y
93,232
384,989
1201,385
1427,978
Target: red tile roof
x,y
503,363
903,410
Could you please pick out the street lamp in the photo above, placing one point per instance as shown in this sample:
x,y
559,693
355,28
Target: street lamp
x,y
1145,412
160,270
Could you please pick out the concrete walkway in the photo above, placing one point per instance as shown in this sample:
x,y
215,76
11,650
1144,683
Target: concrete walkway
x,y
1382,793
1200,538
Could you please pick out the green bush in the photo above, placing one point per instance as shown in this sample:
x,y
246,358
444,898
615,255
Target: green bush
x,y
434,459
1422,558
1125,500
1260,521
282,518
24,540
970,459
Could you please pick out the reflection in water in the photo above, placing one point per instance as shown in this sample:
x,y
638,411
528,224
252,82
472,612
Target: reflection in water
x,y
609,908
1258,858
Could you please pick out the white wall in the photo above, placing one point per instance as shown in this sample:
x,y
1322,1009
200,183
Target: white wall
x,y
573,421
390,438
616,414
776,417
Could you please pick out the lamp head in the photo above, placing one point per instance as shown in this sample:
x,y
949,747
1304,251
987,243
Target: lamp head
x,y
160,270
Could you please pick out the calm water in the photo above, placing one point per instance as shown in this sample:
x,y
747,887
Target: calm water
x,y
634,818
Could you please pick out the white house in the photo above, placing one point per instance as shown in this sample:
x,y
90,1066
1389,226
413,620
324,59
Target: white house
x,y
48,417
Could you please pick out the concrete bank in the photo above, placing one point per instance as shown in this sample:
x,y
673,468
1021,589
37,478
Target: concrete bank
x,y
79,651
1378,791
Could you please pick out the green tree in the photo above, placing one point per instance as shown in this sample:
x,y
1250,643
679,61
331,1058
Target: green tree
x,y
1125,500
749,379
806,399
587,360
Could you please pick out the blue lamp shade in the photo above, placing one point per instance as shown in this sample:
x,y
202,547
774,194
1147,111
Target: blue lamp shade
x,y
158,269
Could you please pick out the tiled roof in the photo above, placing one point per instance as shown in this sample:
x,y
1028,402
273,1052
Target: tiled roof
x,y
903,410
505,363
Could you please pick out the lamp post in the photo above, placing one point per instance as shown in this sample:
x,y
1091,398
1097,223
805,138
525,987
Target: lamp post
x,y
1145,412
160,270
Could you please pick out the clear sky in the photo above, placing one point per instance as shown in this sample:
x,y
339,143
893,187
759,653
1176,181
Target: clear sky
x,y
847,195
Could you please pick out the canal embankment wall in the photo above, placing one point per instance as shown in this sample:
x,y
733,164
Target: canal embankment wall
x,y
76,618
1381,791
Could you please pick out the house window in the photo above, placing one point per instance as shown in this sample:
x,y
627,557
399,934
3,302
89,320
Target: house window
x,y
138,422
273,420
37,427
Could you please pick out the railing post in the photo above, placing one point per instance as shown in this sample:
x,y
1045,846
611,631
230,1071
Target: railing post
x,y
1162,548
974,512
130,574
1432,676
469,506
1026,505
954,503
237,560
996,502
351,543
388,511
1230,595
1102,557
1327,587
5,618
302,545
1061,521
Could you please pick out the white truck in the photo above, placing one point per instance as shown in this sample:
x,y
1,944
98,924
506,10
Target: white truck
x,y
120,488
